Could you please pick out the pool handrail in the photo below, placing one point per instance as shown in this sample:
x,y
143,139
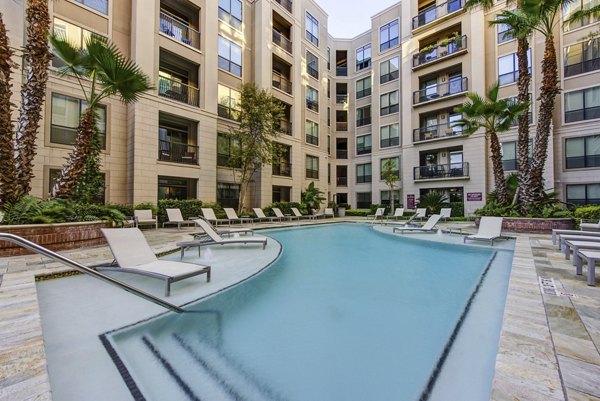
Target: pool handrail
x,y
32,246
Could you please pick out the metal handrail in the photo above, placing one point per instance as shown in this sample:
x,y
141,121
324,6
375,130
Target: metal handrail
x,y
22,242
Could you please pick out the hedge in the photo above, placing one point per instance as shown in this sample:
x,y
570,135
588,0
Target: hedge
x,y
285,207
189,208
588,213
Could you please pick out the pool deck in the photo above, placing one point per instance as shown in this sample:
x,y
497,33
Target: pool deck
x,y
549,344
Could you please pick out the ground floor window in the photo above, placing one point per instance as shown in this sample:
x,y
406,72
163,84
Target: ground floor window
x,y
281,194
176,187
341,198
228,195
386,199
584,194
100,195
363,200
454,198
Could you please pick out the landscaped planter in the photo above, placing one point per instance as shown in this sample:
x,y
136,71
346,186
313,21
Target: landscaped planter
x,y
56,237
536,226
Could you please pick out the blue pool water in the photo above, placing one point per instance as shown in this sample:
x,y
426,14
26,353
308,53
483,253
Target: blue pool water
x,y
346,313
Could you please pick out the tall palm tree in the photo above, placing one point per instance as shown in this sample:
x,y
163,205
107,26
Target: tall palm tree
x,y
109,73
494,116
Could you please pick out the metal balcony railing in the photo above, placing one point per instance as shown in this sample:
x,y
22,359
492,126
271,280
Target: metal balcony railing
x,y
341,154
434,92
178,91
341,126
436,131
312,105
431,14
363,121
342,181
287,4
176,152
179,30
365,150
341,71
283,169
363,179
438,171
440,51
282,41
341,98
282,83
313,72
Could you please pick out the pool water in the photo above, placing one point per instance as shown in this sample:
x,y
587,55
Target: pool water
x,y
346,313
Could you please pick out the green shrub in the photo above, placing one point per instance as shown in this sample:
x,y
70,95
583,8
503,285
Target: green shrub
x,y
218,209
494,208
458,208
359,212
127,210
588,212
188,207
433,201
146,206
374,208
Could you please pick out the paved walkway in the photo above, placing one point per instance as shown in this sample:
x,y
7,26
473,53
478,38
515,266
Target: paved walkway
x,y
549,346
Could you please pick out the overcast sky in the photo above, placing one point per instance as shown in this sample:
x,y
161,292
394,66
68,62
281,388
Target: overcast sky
x,y
348,18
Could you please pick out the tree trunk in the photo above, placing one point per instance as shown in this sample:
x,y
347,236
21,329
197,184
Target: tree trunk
x,y
69,176
8,174
36,59
499,180
525,195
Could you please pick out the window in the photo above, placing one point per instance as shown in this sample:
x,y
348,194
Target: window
x,y
395,163
385,197
228,195
504,34
72,33
66,113
509,155
99,197
363,144
389,70
224,146
363,57
281,194
312,65
99,5
230,56
329,58
230,11
389,136
515,122
312,132
363,116
312,29
363,173
583,194
363,200
582,57
582,104
571,7
176,188
312,99
312,167
508,68
363,87
388,35
389,103
583,152
228,103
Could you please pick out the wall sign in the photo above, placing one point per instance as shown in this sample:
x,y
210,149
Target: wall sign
x,y
474,196
410,201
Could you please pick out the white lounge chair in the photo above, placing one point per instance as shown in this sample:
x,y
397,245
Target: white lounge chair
x,y
490,228
260,215
590,226
398,213
378,215
317,213
279,213
591,257
133,255
445,213
175,218
428,227
421,213
556,233
224,231
233,217
144,218
215,239
328,212
408,222
209,215
300,215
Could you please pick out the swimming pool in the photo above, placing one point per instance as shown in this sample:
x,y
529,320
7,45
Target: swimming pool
x,y
346,313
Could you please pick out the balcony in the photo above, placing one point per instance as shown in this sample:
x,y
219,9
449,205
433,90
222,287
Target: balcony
x,y
341,71
439,91
283,169
431,132
341,126
363,121
287,4
285,127
313,72
436,12
341,98
341,154
312,105
175,90
176,152
441,171
342,181
179,30
282,83
281,41
440,51
365,150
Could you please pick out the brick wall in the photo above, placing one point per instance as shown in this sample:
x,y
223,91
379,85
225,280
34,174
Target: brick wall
x,y
55,237
537,226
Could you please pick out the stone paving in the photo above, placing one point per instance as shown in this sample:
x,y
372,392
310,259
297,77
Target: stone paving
x,y
549,345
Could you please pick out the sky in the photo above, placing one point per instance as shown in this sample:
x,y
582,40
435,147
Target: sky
x,y
348,18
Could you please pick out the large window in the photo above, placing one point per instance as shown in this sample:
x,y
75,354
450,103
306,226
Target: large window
x,y
312,167
395,161
363,57
312,132
583,152
312,99
229,103
388,35
582,104
98,5
508,68
363,87
578,5
363,144
363,116
312,65
66,113
176,188
363,200
389,103
583,194
582,57
389,136
312,29
504,34
72,33
389,70
386,200
230,11
230,56
228,195
509,155
225,144
363,173
515,100
99,196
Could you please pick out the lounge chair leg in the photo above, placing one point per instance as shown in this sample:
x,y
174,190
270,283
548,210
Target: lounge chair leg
x,y
182,252
591,271
199,249
168,289
578,264
208,275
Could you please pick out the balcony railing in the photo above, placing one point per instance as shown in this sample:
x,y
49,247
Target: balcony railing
x,y
440,51
313,72
341,98
341,71
427,16
310,173
176,152
287,4
365,150
312,105
179,30
283,169
436,131
282,83
285,126
363,179
452,170
342,181
282,41
341,126
363,121
341,154
178,91
434,92
363,93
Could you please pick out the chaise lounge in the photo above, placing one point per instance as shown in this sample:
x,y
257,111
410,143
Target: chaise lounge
x,y
428,227
490,228
175,218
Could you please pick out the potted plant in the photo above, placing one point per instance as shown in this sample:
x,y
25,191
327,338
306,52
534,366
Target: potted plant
x,y
342,209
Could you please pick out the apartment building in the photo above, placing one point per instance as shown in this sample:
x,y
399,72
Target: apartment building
x,y
350,104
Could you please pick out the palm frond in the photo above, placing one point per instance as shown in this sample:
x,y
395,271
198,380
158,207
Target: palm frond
x,y
69,53
580,15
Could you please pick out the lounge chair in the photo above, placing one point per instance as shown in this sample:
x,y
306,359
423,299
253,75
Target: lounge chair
x,y
224,231
576,246
428,227
556,233
445,213
300,215
209,215
279,213
408,222
490,228
133,255
421,213
215,239
233,217
378,215
398,213
144,218
591,257
175,218
590,226
329,212
260,215
564,238
317,213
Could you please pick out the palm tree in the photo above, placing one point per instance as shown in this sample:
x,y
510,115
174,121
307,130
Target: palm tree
x,y
494,116
109,73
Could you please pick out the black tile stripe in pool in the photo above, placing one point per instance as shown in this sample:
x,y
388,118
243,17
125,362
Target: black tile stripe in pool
x,y
123,371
